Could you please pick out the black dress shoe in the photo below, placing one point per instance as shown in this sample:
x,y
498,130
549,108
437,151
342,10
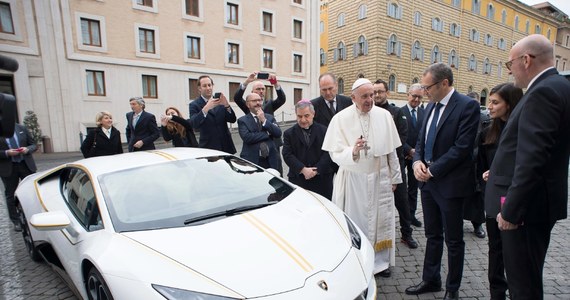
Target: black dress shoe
x,y
479,232
416,222
410,242
451,295
424,287
386,273
17,227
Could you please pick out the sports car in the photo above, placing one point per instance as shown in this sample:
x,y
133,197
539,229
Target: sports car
x,y
186,223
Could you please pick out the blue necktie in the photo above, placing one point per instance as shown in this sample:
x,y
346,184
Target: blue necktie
x,y
414,120
14,145
428,153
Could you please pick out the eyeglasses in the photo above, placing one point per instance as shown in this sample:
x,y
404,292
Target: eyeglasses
x,y
426,88
419,97
509,64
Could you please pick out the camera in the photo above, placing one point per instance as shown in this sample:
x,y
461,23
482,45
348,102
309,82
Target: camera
x,y
217,95
262,75
7,102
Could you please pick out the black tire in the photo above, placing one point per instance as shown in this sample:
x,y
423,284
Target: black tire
x,y
33,251
96,286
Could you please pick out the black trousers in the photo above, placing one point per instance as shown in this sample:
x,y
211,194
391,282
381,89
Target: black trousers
x,y
19,171
524,251
412,188
443,218
402,205
496,273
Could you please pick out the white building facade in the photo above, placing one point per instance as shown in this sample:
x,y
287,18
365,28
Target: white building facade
x,y
79,57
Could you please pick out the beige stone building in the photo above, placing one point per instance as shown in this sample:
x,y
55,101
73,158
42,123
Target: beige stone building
x,y
79,57
396,40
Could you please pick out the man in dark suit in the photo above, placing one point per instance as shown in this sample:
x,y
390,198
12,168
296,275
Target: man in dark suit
x,y
528,180
329,103
310,167
141,129
381,93
16,162
257,130
269,106
443,166
414,116
210,116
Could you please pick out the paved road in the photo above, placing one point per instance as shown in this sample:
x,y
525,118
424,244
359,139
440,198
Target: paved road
x,y
21,278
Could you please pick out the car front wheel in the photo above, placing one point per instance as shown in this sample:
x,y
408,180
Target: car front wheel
x,y
97,289
27,235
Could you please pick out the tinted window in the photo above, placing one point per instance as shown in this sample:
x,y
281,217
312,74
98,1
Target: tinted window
x,y
78,193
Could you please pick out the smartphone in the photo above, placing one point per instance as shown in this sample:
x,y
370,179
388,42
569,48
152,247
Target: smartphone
x,y
262,75
217,95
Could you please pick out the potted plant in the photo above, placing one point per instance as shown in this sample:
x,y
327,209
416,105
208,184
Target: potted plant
x,y
31,122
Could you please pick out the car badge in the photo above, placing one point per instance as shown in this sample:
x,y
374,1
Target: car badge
x,y
323,285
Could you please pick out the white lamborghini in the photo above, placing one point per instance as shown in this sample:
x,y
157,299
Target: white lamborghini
x,y
186,223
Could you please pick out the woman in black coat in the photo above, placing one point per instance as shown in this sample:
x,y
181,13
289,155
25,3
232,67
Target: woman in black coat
x,y
502,100
104,139
176,128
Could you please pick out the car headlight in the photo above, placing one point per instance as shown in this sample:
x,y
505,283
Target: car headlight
x,y
354,236
179,294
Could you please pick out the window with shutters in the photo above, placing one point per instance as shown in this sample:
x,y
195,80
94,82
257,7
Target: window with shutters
x,y
361,47
490,12
476,7
472,63
435,54
418,18
362,11
394,46
417,51
340,20
453,59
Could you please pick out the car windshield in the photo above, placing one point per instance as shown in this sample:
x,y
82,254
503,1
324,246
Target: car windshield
x,y
169,194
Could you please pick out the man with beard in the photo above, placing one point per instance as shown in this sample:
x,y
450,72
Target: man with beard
x,y
257,130
443,165
381,94
310,167
269,106
362,139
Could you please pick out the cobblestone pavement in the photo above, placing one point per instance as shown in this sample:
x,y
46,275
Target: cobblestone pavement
x,y
21,278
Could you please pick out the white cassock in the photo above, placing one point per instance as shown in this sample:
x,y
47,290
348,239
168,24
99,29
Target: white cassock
x,y
363,188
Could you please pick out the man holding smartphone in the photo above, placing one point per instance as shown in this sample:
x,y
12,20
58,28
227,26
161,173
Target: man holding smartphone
x,y
269,106
16,162
210,115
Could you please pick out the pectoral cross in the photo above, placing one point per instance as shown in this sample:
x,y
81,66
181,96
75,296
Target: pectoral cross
x,y
366,148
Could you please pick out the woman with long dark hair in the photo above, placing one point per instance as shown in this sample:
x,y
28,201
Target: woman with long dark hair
x,y
502,100
176,128
105,139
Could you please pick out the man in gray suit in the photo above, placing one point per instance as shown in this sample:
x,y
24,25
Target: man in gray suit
x,y
16,162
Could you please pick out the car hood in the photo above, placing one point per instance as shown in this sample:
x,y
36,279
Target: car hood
x,y
260,252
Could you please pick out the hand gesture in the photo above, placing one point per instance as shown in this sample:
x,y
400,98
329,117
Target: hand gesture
x,y
260,116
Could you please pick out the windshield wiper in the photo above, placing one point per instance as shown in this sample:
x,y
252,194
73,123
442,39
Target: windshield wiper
x,y
227,213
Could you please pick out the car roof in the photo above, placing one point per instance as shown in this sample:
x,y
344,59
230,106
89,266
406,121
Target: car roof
x,y
112,163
